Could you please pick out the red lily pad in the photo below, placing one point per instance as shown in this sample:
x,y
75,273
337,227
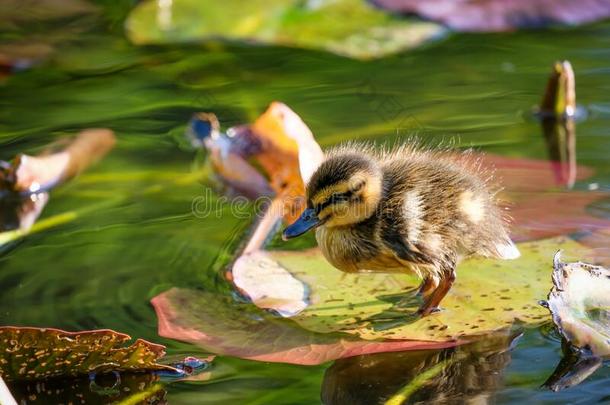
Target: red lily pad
x,y
536,201
527,175
543,215
498,15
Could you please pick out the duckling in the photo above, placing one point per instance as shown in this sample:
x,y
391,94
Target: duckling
x,y
410,209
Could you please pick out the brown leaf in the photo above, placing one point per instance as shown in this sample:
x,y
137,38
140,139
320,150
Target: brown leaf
x,y
281,144
39,353
31,174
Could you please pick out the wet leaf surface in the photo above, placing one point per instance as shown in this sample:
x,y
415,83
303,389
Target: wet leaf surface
x,y
221,325
489,295
498,15
351,28
36,353
351,315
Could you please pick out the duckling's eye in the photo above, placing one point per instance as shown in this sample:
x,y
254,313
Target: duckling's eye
x,y
357,187
338,197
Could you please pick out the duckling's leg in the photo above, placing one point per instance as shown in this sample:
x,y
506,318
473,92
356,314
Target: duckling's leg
x,y
432,301
428,286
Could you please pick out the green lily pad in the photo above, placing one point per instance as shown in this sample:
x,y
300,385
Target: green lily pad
x,y
221,325
348,315
488,295
35,353
350,28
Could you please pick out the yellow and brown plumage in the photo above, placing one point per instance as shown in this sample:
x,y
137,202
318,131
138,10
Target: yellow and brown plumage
x,y
407,210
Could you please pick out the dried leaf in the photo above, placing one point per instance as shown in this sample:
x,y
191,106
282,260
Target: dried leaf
x,y
498,15
281,144
32,174
580,305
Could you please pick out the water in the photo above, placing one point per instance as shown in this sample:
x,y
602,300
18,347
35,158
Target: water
x,y
102,269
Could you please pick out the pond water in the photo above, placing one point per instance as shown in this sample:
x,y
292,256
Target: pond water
x,y
135,236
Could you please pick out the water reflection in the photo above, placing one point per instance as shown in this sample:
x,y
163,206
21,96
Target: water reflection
x,y
472,374
20,212
101,389
560,137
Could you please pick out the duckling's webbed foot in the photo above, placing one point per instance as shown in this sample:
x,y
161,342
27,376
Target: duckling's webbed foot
x,y
434,297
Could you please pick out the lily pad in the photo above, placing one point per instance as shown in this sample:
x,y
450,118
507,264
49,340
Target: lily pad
x,y
357,314
35,353
498,15
351,28
221,325
489,295
553,213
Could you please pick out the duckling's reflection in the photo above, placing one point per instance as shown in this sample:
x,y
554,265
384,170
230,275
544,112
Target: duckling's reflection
x,y
472,373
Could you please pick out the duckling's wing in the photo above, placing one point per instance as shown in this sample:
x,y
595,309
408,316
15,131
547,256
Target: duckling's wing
x,y
394,240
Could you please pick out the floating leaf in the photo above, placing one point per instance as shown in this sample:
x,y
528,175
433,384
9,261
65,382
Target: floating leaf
x,y
24,182
542,215
489,295
31,174
531,188
351,28
18,212
599,242
356,314
221,325
498,15
42,353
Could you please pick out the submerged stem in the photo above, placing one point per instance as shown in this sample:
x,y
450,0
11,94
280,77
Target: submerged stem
x,y
418,382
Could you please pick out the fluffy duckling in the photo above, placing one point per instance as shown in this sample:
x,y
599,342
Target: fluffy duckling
x,y
408,210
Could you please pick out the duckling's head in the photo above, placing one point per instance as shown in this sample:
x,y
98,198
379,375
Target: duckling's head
x,y
344,190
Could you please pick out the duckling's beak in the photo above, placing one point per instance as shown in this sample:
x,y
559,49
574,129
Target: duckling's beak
x,y
306,221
